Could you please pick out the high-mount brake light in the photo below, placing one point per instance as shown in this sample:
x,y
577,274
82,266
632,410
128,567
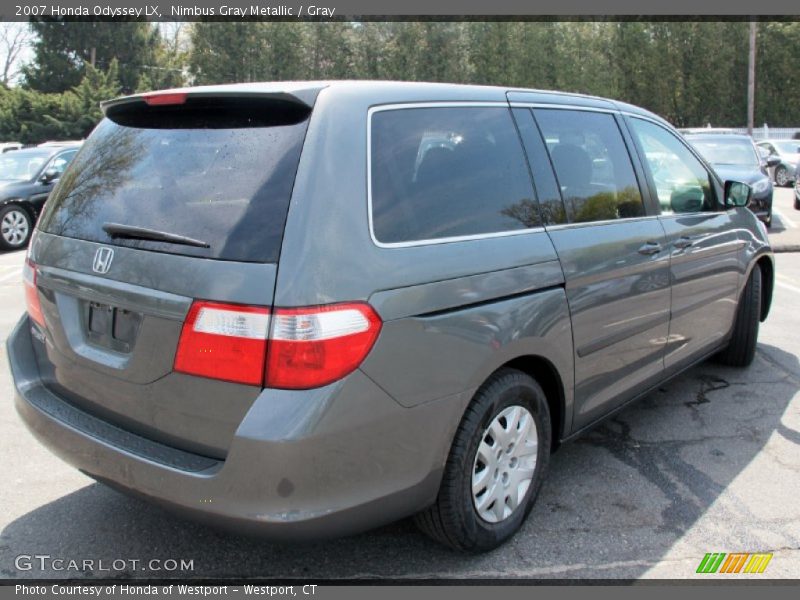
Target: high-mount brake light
x,y
292,348
32,303
165,99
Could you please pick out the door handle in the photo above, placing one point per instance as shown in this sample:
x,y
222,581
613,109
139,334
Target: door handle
x,y
683,242
650,248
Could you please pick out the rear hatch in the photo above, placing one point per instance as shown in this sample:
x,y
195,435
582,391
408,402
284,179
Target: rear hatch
x,y
173,198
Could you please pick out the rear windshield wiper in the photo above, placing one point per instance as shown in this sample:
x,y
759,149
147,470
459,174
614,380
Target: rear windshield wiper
x,y
116,230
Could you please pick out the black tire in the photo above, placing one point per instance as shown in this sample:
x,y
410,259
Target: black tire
x,y
742,346
782,175
16,214
796,203
453,520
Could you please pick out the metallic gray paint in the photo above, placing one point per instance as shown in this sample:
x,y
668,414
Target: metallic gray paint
x,y
371,447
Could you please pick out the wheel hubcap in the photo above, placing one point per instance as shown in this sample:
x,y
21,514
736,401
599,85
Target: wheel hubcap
x,y
504,464
14,227
780,177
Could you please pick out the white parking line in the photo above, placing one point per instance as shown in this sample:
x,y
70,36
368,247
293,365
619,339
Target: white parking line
x,y
15,274
784,219
786,286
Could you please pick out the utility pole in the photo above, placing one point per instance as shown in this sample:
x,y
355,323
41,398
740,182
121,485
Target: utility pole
x,y
751,79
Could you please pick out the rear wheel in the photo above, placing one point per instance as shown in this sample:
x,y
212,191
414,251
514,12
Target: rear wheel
x,y
16,226
496,465
742,347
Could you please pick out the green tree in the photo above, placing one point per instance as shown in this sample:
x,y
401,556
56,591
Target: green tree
x,y
63,49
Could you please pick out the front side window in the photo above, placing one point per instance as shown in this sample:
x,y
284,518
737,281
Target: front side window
x,y
682,182
443,172
61,161
592,165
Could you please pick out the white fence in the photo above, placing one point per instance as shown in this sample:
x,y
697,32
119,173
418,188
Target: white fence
x,y
766,132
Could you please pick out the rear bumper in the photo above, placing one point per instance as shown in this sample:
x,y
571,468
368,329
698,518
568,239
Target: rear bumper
x,y
302,465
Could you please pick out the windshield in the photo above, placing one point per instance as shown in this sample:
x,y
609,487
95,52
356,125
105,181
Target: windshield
x,y
727,151
202,176
21,165
788,147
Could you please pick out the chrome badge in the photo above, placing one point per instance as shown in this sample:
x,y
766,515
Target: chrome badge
x,y
102,260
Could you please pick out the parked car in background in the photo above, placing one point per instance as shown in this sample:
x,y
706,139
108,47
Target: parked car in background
x,y
788,152
8,146
229,319
26,179
735,156
797,188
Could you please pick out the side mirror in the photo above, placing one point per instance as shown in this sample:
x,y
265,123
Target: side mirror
x,y
773,161
737,194
49,175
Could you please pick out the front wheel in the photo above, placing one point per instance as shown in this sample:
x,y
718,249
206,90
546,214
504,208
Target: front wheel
x,y
16,226
742,347
781,177
496,465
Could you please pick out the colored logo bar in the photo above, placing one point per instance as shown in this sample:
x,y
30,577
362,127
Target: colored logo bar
x,y
743,562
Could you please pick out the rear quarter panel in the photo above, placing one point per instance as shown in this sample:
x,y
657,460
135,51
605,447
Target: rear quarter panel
x,y
453,312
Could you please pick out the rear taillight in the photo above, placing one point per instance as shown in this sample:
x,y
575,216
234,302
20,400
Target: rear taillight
x,y
311,347
31,293
224,341
294,348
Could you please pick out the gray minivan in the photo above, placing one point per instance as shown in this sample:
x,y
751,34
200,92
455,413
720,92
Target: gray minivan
x,y
308,309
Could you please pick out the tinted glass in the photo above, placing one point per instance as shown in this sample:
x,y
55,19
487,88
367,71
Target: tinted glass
x,y
682,182
592,164
446,172
212,179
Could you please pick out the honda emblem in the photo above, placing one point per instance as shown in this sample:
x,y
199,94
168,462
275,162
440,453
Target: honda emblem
x,y
102,260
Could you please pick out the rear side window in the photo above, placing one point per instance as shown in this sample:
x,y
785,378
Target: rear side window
x,y
222,175
448,172
592,165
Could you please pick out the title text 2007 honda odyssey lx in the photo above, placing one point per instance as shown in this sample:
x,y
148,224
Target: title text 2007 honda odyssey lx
x,y
307,309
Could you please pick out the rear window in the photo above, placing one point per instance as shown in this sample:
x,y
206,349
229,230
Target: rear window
x,y
448,172
222,175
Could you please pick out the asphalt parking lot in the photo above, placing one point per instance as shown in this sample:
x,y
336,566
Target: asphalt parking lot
x,y
785,231
710,462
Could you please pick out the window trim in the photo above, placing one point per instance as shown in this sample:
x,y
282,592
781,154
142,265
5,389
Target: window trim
x,y
648,174
444,240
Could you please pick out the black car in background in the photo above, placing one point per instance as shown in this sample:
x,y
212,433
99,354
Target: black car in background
x,y
734,157
26,179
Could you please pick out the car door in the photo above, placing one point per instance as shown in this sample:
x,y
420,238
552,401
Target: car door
x,y
613,254
702,241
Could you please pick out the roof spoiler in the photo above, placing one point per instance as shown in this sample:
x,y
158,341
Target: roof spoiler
x,y
302,97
